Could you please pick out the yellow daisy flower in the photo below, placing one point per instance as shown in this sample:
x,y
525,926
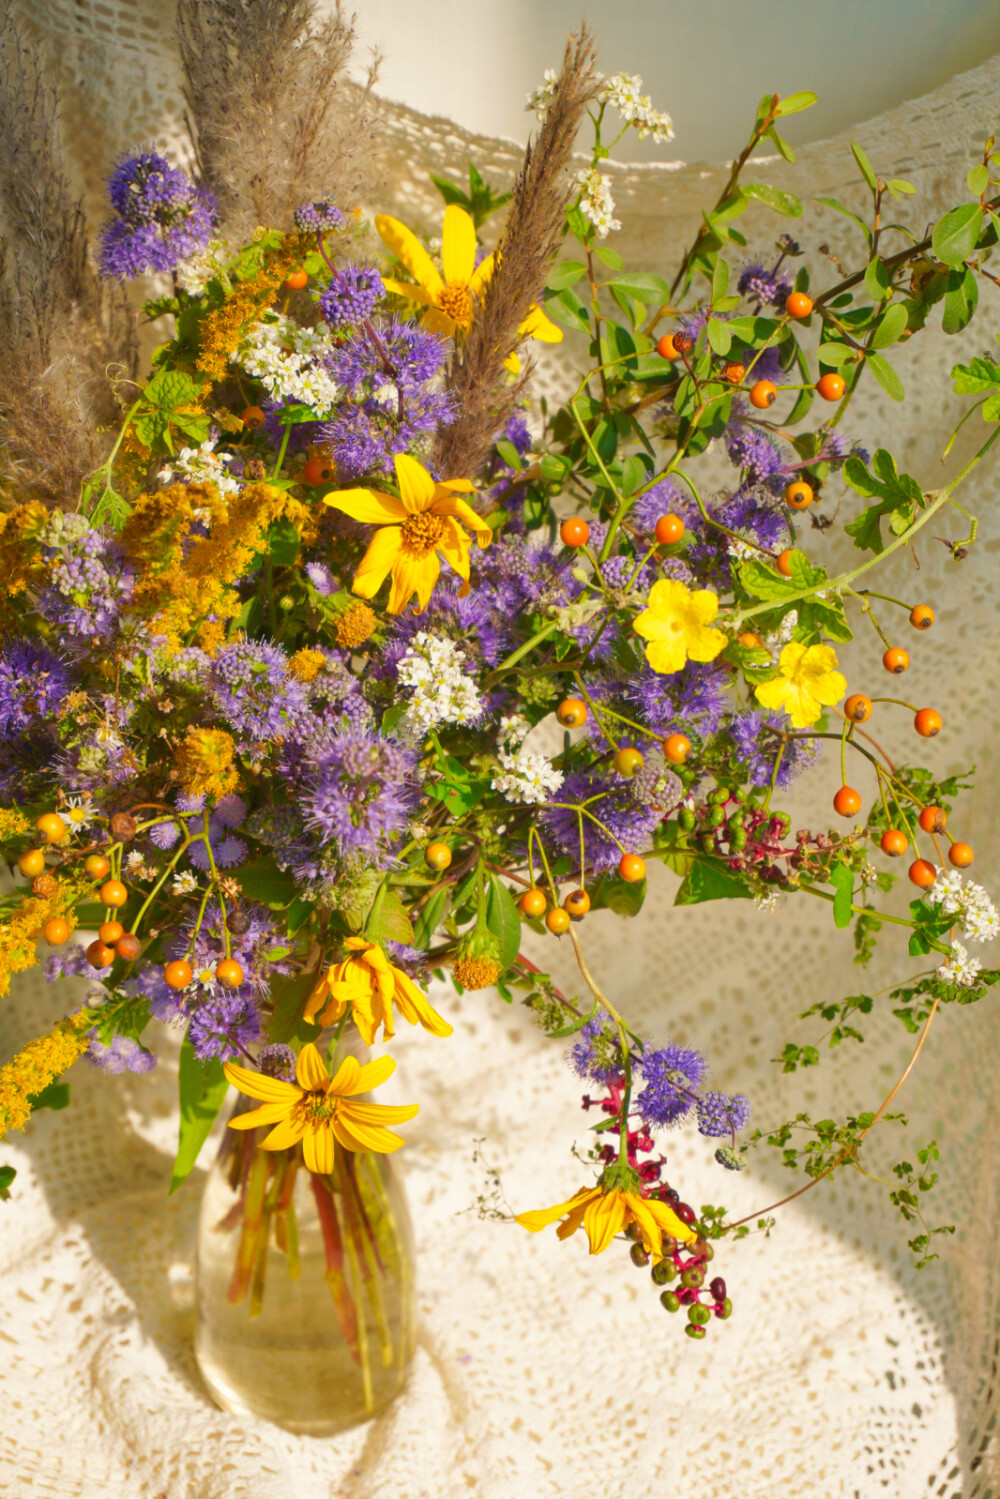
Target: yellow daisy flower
x,y
423,521
604,1214
369,983
676,624
450,300
319,1111
809,681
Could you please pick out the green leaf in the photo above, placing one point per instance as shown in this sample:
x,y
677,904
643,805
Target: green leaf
x,y
960,300
290,995
431,917
978,179
780,144
509,454
503,920
263,881
652,290
7,1175
565,273
877,279
890,328
774,197
203,1088
886,376
957,233
283,542
720,281
761,583
612,893
609,257
978,375
897,185
719,337
861,157
55,1096
450,192
838,207
710,882
833,355
564,307
389,921
842,880
793,104
633,474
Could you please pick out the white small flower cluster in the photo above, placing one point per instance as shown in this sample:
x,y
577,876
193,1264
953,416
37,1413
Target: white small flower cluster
x,y
527,777
969,903
184,884
623,91
739,550
596,202
540,98
194,273
442,693
202,465
768,903
137,867
959,968
287,360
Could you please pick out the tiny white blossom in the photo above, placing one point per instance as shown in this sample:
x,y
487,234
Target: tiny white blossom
x,y
79,811
622,90
137,867
768,903
184,883
596,202
540,98
739,549
194,273
288,360
202,464
525,776
442,693
959,967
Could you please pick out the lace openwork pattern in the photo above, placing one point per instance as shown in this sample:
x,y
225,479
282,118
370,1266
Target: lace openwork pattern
x,y
541,1371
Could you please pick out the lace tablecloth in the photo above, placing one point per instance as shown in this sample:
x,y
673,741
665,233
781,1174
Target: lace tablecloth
x,y
541,1371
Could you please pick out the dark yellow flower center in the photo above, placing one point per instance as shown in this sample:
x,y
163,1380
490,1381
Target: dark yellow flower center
x,y
421,533
456,302
316,1108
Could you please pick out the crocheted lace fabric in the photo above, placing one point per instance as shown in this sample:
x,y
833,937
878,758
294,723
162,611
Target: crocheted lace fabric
x,y
541,1371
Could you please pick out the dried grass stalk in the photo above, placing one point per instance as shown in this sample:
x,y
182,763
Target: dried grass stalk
x,y
528,245
273,118
59,326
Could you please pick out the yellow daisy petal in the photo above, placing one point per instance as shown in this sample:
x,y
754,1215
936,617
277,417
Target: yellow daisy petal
x,y
539,1218
413,573
381,1113
318,1149
268,1113
407,248
604,1218
289,1132
416,487
669,1221
310,1070
256,1085
379,560
458,245
482,276
368,505
449,504
666,656
537,325
408,289
372,1075
346,1076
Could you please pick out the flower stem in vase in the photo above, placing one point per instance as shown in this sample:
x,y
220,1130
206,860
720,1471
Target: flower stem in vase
x,y
335,1278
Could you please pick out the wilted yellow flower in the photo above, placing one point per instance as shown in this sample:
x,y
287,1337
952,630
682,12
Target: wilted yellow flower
x,y
320,1112
412,530
809,681
203,763
370,984
676,624
606,1213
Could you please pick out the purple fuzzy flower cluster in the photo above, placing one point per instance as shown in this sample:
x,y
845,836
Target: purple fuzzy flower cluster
x,y
614,821
122,1054
228,813
670,1075
33,683
722,1113
351,296
759,749
318,217
162,217
90,584
356,789
763,287
254,693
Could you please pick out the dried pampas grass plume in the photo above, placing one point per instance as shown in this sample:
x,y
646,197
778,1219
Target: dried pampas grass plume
x,y
59,326
274,120
531,236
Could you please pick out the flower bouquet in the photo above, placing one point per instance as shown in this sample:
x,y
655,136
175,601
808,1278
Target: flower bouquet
x,y
347,664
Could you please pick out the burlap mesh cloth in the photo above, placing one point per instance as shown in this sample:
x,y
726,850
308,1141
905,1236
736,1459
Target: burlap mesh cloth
x,y
542,1371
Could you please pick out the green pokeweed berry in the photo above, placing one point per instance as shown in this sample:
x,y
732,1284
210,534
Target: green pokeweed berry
x,y
663,1272
715,817
686,819
698,1314
738,838
639,1255
694,1332
670,1300
727,1310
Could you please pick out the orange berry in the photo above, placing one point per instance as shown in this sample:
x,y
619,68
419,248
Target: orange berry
x,y
99,956
557,921
110,932
666,348
798,304
318,471
961,855
669,530
628,761
922,617
178,974
112,893
97,866
896,660
574,532
800,495
847,802
893,842
750,642
252,417
921,873
31,863
437,855
128,947
927,722
784,562
533,902
831,387
297,280
632,868
676,748
229,972
51,827
933,819
572,712
734,373
763,393
577,903
56,931
858,708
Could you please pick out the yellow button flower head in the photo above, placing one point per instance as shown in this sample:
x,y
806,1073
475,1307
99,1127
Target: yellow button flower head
x,y
423,521
676,624
809,681
320,1112
604,1213
369,983
451,300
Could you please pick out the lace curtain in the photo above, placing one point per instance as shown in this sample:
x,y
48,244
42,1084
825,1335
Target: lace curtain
x,y
540,1370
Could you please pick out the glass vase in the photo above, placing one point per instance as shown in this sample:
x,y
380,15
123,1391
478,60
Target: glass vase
x,y
305,1286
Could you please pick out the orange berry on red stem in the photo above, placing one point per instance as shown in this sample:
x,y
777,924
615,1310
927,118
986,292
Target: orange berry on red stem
x,y
632,868
676,748
831,387
858,707
666,348
669,530
572,712
533,902
557,921
798,305
922,617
